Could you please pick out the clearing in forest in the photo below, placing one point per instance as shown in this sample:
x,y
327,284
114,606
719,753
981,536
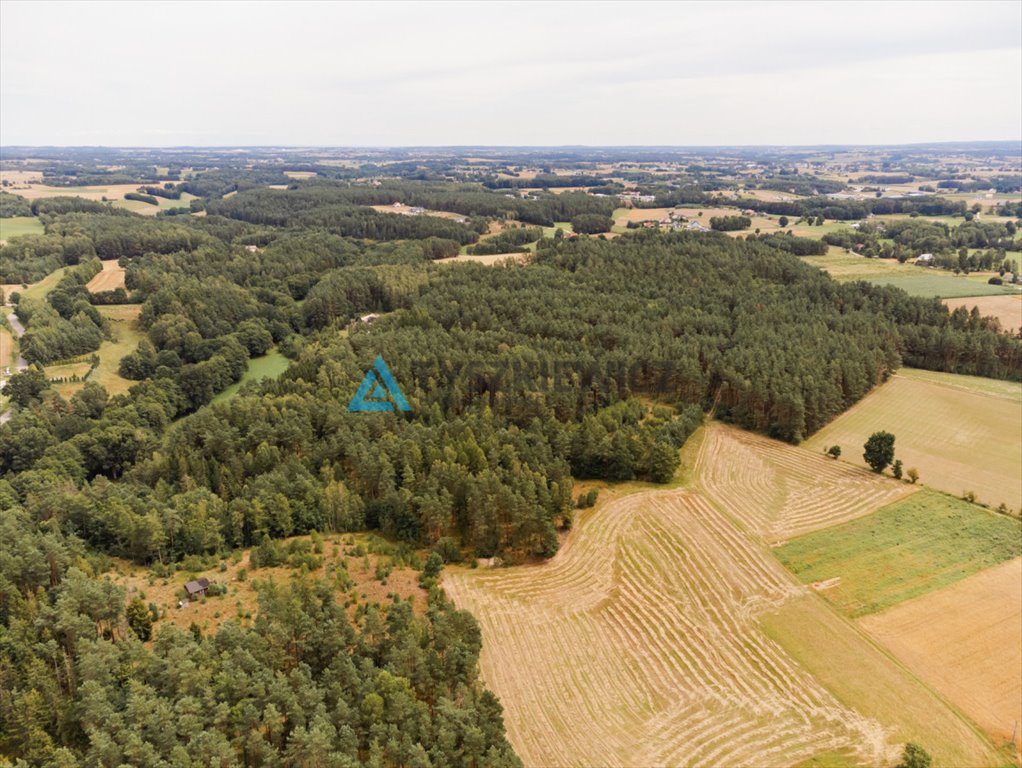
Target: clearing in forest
x,y
965,641
960,432
777,490
915,546
110,278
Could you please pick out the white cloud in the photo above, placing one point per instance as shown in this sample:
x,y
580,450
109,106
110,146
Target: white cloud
x,y
508,73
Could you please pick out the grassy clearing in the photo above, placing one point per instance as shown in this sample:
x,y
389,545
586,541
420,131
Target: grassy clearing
x,y
269,366
122,319
351,559
36,290
566,226
960,432
862,676
20,225
915,546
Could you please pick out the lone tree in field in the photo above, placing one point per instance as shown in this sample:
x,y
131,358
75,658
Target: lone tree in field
x,y
834,451
879,450
913,475
896,469
914,756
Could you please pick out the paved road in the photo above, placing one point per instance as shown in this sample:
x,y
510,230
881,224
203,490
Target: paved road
x,y
19,331
19,364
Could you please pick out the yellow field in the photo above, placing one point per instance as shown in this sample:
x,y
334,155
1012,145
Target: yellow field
x,y
638,644
110,278
965,641
777,491
1007,309
961,433
662,634
489,259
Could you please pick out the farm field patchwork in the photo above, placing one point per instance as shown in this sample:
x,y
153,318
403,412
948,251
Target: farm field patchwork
x,y
964,641
910,548
638,645
960,437
864,676
778,490
1007,309
663,634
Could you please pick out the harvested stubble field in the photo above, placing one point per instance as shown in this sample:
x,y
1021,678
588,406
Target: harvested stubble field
x,y
638,644
1007,309
110,278
961,435
777,491
965,641
665,633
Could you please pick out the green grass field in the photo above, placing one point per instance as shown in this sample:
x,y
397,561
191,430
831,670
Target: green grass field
x,y
844,267
122,319
944,285
44,286
20,225
922,543
269,366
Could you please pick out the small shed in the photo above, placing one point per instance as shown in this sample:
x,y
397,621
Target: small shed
x,y
197,588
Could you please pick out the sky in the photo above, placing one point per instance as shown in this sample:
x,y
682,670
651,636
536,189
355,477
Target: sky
x,y
493,73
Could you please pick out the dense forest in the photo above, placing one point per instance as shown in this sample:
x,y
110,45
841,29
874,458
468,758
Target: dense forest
x,y
597,359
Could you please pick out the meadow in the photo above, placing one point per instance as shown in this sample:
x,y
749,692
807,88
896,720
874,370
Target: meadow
x,y
960,432
910,548
845,266
20,225
268,366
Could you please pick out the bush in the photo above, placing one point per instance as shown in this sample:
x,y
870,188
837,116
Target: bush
x,y
834,451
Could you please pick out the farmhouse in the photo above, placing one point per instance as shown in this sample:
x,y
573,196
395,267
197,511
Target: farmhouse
x,y
197,588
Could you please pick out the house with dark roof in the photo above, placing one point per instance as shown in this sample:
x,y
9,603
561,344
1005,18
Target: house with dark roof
x,y
197,588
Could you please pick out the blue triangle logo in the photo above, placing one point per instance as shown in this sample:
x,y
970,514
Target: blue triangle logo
x,y
378,391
